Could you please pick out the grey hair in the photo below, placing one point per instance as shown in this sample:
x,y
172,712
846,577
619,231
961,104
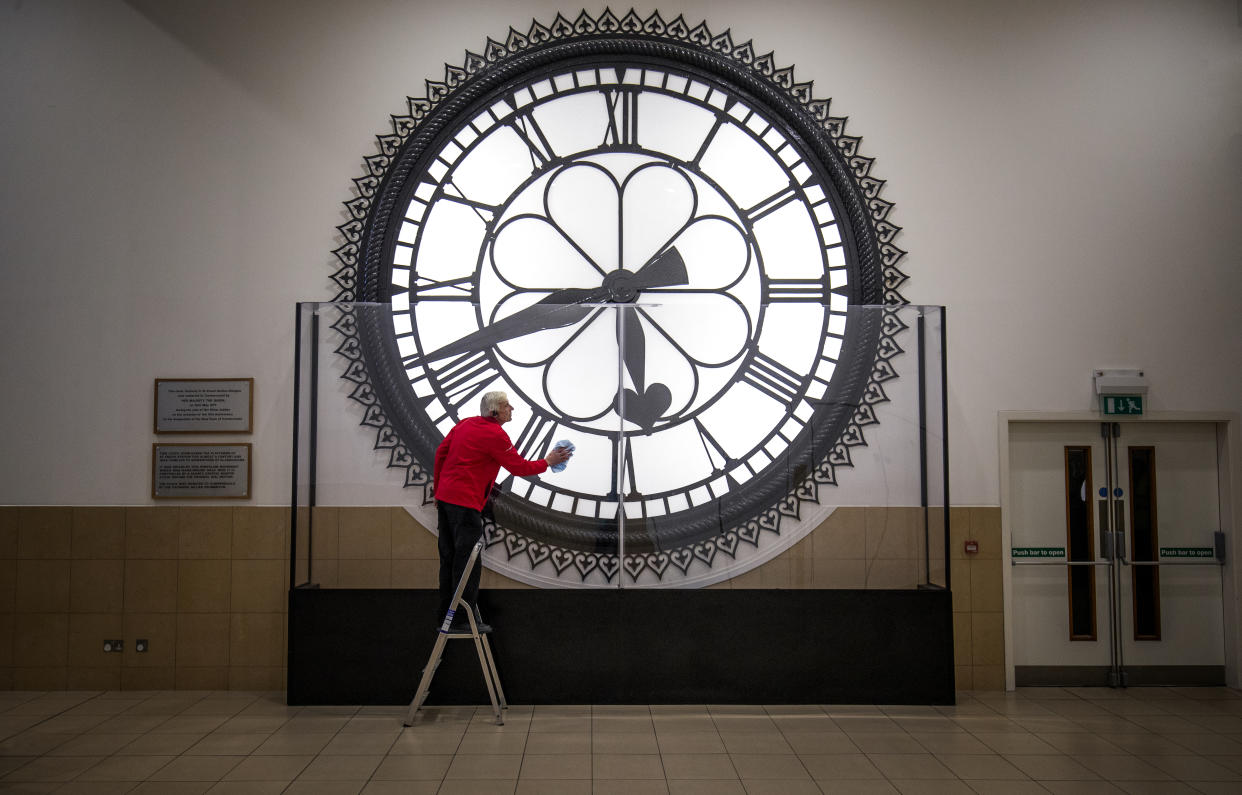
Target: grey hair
x,y
489,406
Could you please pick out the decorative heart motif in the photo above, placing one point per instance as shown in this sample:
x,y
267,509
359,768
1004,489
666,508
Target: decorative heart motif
x,y
892,324
645,409
770,520
749,533
608,565
515,544
840,456
537,553
585,564
658,563
789,506
492,535
682,560
728,543
374,417
562,559
705,552
634,566
883,371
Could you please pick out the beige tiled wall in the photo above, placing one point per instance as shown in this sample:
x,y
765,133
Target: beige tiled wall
x,y
207,586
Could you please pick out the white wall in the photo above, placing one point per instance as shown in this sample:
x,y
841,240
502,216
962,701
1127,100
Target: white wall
x,y
1068,175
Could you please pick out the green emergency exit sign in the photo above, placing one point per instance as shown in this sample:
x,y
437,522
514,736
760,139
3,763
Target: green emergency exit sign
x,y
1121,405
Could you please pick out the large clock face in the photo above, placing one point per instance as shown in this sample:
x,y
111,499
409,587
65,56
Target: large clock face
x,y
656,263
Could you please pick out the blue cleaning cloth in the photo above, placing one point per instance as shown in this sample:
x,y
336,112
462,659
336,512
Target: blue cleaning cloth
x,y
568,445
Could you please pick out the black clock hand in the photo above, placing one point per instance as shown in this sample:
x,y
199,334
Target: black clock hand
x,y
560,308
646,405
666,270
635,350
569,305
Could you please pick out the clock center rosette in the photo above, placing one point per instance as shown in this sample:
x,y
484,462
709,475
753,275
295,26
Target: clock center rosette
x,y
635,234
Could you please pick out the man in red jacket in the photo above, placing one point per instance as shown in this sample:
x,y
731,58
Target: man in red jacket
x,y
467,462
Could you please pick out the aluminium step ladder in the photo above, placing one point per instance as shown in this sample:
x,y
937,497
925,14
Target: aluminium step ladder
x,y
488,663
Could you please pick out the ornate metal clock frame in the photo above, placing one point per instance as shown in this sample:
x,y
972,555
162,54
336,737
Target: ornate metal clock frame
x,y
544,545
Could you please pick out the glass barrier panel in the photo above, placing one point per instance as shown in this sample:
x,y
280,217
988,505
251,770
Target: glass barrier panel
x,y
786,445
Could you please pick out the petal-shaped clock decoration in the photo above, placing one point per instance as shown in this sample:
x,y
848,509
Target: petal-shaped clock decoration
x,y
657,202
582,201
581,381
713,334
531,253
715,252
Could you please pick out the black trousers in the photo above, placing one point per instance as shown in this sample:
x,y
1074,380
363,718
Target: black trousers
x,y
460,529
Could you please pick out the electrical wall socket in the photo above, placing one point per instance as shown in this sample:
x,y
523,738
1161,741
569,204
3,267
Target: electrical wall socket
x,y
140,645
114,645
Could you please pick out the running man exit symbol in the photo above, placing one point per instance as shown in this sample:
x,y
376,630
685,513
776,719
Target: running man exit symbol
x,y
1121,405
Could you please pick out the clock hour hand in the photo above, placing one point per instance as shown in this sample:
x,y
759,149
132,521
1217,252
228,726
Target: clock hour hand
x,y
666,270
558,309
644,405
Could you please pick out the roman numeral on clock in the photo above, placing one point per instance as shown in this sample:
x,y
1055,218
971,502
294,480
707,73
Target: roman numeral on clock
x,y
622,129
716,454
707,141
772,378
771,204
796,290
485,211
464,379
532,135
459,289
628,463
536,437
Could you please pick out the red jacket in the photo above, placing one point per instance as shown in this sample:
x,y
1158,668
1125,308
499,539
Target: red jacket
x,y
470,457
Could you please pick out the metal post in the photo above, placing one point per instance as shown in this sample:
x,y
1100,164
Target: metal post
x,y
620,447
944,439
297,395
922,367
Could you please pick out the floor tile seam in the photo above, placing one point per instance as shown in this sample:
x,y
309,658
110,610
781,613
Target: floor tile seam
x,y
59,714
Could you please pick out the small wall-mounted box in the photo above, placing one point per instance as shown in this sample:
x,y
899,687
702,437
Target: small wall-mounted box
x,y
972,547
1119,382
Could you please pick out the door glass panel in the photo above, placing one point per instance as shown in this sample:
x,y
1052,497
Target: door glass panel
x,y
1145,542
1079,542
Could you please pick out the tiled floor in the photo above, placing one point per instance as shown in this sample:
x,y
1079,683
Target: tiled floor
x,y
1144,740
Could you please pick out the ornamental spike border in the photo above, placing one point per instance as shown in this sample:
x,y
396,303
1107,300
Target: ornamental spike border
x,y
677,30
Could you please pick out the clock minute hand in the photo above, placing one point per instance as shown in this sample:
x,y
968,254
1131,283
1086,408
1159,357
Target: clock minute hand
x,y
558,309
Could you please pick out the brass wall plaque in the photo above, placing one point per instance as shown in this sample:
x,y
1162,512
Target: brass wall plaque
x,y
204,405
200,471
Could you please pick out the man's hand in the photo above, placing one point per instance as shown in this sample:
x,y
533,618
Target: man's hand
x,y
558,455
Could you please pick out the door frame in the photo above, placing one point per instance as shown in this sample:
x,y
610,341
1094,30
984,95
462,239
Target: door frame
x,y
1229,489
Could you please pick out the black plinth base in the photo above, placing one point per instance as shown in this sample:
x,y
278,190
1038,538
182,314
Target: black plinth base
x,y
630,647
